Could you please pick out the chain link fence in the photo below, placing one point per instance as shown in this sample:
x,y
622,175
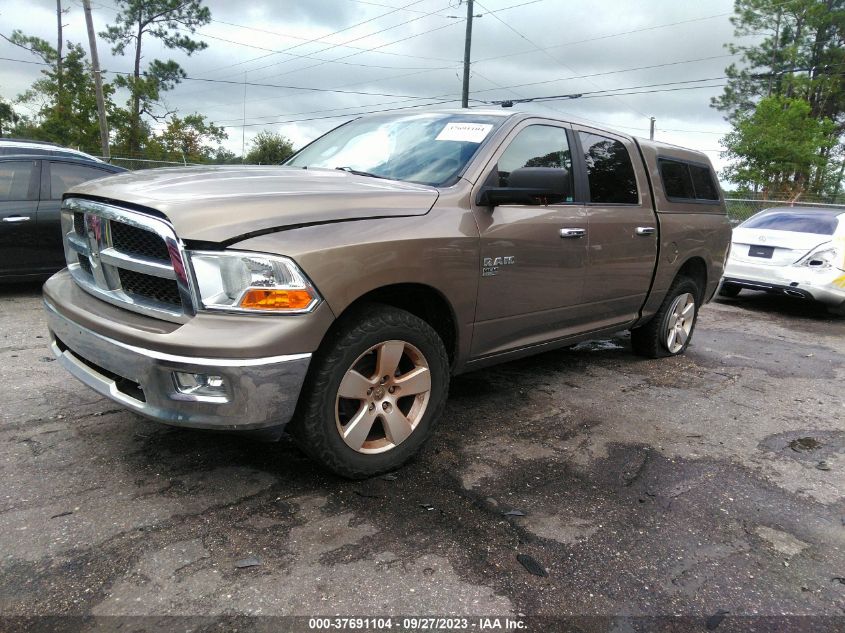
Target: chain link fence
x,y
142,163
740,209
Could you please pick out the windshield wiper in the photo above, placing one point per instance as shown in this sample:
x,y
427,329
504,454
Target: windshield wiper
x,y
358,173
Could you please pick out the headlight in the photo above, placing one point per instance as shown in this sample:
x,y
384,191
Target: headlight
x,y
823,257
252,282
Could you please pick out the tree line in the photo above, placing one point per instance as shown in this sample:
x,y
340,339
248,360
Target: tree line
x,y
63,105
785,99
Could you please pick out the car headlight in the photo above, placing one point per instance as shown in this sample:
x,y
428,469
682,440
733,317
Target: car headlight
x,y
823,257
252,282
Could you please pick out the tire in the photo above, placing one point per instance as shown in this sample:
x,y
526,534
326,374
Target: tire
x,y
331,427
730,290
653,339
837,310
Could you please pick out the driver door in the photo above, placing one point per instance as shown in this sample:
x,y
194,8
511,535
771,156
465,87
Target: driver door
x,y
19,254
532,256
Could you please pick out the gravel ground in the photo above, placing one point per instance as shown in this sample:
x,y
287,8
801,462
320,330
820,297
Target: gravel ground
x,y
708,483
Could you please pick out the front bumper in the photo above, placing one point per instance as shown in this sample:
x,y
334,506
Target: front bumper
x,y
826,286
260,392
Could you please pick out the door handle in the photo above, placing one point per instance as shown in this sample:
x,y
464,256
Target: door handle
x,y
646,230
16,218
573,232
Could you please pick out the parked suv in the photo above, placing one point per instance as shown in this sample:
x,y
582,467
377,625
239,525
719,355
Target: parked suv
x,y
335,295
31,190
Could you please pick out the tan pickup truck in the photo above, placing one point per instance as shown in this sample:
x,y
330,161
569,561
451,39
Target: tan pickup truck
x,y
335,296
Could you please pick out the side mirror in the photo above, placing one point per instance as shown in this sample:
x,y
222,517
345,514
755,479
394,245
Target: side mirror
x,y
529,185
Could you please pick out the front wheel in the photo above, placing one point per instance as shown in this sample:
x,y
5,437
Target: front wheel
x,y
377,387
669,332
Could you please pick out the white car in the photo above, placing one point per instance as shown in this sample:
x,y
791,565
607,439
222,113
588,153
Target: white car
x,y
796,251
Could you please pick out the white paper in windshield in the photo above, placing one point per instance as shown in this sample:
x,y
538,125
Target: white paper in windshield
x,y
466,132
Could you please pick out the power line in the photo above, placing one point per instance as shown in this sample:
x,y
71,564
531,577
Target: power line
x,y
322,37
385,6
497,85
369,81
608,36
553,58
355,107
327,61
612,91
249,83
356,83
369,50
610,72
305,40
598,95
579,95
350,114
378,48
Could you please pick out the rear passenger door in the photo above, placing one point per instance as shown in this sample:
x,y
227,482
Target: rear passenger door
x,y
622,228
18,203
57,177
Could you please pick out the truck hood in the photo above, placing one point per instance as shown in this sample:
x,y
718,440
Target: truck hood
x,y
225,203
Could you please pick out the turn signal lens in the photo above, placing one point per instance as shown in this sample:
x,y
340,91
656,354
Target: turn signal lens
x,y
260,299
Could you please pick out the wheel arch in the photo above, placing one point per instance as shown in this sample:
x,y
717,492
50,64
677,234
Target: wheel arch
x,y
696,269
421,300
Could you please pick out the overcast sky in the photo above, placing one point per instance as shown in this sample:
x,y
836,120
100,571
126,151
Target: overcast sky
x,y
400,49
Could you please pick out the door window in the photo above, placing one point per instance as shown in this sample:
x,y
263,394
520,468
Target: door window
x,y
609,169
15,180
536,146
63,176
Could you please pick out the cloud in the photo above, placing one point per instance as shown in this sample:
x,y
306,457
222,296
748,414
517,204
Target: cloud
x,y
406,48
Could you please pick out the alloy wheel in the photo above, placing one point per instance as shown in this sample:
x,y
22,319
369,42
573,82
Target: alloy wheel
x,y
383,397
680,322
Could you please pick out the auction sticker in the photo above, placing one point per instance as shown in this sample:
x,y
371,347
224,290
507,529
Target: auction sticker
x,y
466,132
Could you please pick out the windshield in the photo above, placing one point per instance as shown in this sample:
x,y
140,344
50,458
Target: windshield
x,y
798,221
426,148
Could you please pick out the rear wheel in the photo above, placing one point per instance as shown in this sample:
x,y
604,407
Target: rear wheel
x,y
837,310
377,387
730,290
670,331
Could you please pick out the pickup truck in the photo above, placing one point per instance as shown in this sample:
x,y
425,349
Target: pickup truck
x,y
334,296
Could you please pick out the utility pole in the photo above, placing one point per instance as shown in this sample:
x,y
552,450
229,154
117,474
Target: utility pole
x,y
651,130
59,65
467,54
98,80
243,127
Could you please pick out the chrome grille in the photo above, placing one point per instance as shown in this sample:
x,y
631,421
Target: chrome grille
x,y
148,286
84,263
127,258
79,223
134,241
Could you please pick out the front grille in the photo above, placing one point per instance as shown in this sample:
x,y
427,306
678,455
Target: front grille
x,y
127,258
148,286
134,241
84,263
79,223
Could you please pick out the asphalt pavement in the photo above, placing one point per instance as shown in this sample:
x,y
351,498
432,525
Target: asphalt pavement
x,y
583,482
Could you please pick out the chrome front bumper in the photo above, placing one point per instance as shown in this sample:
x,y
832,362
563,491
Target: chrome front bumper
x,y
259,393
